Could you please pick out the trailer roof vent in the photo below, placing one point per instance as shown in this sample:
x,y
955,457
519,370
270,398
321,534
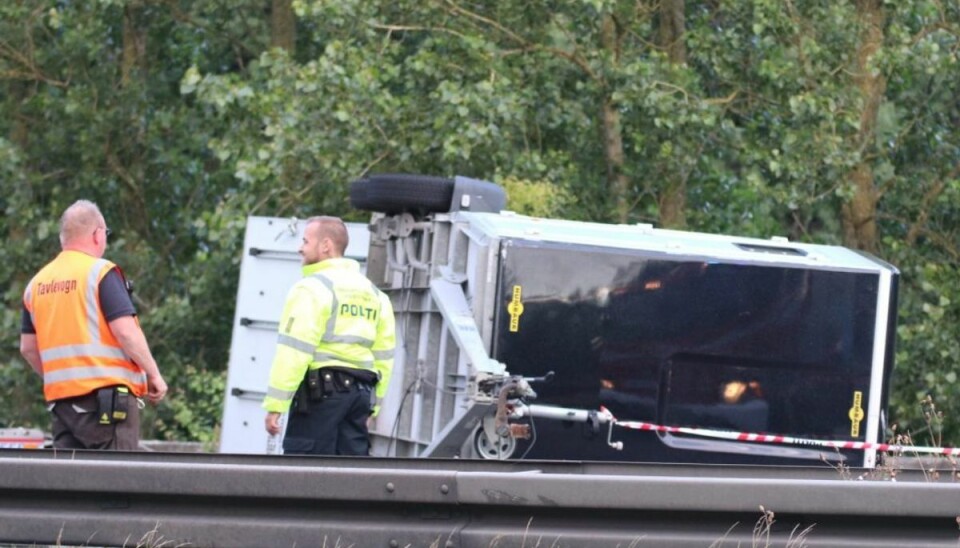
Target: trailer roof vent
x,y
772,249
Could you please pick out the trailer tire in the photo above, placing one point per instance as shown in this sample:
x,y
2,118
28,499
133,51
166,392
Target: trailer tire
x,y
479,447
398,193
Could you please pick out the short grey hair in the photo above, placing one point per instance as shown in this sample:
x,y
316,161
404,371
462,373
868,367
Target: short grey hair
x,y
81,217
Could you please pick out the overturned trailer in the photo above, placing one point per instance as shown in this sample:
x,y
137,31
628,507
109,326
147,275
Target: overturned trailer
x,y
522,337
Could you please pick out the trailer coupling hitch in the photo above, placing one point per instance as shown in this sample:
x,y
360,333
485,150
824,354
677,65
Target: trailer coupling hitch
x,y
514,391
512,404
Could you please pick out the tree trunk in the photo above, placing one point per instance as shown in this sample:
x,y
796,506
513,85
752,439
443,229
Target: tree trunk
x,y
613,131
673,195
134,42
125,157
20,137
672,24
283,26
19,129
859,215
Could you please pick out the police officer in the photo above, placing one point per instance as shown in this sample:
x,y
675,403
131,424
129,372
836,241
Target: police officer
x,y
335,346
80,333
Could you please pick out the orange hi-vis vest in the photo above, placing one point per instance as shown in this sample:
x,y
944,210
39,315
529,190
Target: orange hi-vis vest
x,y
78,351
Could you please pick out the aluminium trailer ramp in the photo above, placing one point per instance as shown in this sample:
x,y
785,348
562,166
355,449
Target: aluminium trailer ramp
x,y
268,269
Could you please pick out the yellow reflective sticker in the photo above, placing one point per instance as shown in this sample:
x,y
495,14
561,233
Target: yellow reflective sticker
x,y
856,414
515,309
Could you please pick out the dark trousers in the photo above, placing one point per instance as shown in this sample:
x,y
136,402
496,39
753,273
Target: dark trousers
x,y
335,425
76,426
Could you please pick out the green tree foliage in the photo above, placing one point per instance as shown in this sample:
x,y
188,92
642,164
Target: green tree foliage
x,y
92,109
817,120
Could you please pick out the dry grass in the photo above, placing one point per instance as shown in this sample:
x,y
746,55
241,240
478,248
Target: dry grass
x,y
932,467
762,532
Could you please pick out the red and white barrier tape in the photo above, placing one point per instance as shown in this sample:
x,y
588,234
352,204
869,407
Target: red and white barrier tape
x,y
787,440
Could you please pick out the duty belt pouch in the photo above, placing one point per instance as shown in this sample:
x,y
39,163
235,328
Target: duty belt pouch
x,y
105,405
121,402
343,382
112,404
315,384
302,398
327,380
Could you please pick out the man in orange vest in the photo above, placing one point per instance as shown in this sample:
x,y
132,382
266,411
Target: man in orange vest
x,y
81,334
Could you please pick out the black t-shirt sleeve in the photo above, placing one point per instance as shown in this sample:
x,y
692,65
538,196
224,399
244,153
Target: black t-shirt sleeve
x,y
115,301
26,322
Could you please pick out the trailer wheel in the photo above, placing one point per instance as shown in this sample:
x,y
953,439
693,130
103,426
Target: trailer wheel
x,y
482,448
397,193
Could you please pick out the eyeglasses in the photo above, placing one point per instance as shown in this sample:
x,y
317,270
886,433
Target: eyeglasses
x,y
106,230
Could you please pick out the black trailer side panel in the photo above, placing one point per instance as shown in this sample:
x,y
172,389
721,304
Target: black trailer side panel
x,y
758,347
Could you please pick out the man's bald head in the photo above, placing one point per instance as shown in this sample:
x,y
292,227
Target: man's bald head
x,y
79,221
334,229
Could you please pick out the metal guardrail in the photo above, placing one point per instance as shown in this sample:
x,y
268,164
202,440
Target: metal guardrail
x,y
147,499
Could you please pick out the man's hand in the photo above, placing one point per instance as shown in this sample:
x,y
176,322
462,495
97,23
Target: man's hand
x,y
134,344
156,388
372,417
273,423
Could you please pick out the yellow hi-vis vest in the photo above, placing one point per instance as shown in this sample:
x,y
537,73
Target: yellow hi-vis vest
x,y
78,351
334,316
